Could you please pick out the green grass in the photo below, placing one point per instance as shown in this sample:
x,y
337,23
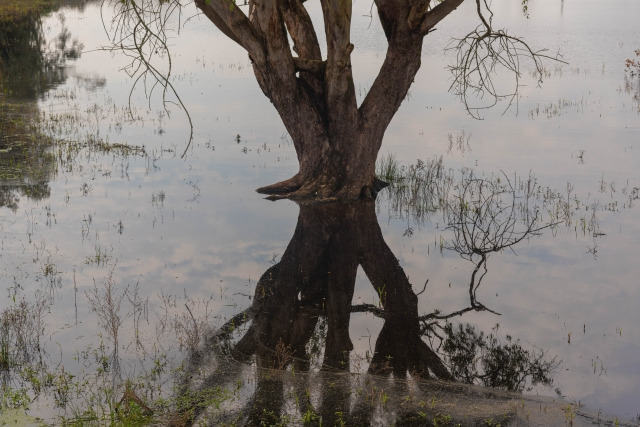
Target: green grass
x,y
10,9
388,168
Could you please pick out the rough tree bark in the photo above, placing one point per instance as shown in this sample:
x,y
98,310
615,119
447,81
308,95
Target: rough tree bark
x,y
336,140
316,278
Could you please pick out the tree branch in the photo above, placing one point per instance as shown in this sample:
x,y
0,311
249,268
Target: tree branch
x,y
392,83
309,65
138,31
437,14
305,44
234,23
390,15
300,27
418,11
485,52
340,91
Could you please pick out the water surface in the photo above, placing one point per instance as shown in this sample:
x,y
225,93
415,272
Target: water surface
x,y
168,233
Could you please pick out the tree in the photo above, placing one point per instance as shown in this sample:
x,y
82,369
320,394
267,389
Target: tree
x,y
296,330
336,140
310,289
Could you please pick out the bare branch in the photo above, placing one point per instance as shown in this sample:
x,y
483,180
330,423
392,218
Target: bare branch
x,y
368,308
482,220
340,91
309,65
418,11
484,53
437,14
301,30
138,31
234,23
487,216
390,15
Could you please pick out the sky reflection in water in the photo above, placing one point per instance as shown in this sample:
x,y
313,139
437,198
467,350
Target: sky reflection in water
x,y
195,227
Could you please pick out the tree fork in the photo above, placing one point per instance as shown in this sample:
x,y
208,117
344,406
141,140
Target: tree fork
x,y
336,140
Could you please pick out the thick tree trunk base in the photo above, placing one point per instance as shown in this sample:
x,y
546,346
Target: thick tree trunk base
x,y
321,190
283,187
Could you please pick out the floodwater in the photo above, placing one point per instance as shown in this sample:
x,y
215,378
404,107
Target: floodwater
x,y
126,254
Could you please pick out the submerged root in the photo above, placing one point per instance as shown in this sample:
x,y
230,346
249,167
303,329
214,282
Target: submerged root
x,y
283,187
321,191
370,192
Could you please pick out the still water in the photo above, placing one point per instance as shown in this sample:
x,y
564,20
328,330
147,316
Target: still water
x,y
174,242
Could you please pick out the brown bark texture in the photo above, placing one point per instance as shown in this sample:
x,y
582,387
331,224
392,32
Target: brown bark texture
x,y
336,140
315,278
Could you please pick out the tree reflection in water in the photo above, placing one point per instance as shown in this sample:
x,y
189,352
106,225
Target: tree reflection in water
x,y
30,65
301,312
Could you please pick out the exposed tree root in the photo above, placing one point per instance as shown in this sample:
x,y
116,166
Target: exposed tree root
x,y
283,187
319,191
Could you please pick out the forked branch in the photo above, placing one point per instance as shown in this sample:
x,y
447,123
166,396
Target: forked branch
x,y
232,21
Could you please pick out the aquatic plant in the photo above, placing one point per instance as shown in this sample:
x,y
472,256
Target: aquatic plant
x,y
633,65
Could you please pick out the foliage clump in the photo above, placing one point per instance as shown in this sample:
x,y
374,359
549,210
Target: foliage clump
x,y
633,65
476,358
632,79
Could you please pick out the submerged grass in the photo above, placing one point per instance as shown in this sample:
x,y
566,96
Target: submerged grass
x,y
111,389
426,188
32,151
388,168
135,384
26,162
417,190
103,386
10,9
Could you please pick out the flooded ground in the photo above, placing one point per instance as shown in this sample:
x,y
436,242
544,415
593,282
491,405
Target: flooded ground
x,y
119,257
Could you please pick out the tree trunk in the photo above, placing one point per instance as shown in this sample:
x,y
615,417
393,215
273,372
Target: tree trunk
x,y
333,174
316,277
336,140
